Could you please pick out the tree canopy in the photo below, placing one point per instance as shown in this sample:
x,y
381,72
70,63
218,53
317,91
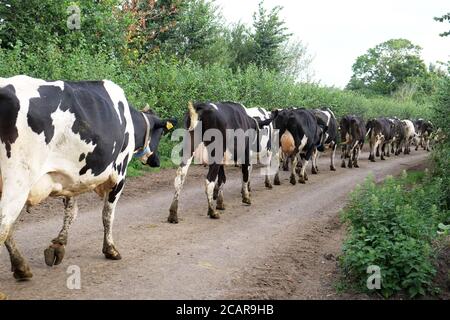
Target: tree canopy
x,y
387,66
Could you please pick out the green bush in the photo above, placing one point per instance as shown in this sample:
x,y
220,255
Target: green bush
x,y
393,226
167,84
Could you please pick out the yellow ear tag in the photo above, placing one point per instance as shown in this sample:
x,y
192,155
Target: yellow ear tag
x,y
169,125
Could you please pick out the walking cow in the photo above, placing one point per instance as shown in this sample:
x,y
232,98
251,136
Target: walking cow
x,y
300,139
381,134
328,124
220,134
353,132
65,138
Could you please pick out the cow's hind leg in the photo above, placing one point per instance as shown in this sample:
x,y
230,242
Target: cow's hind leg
x,y
14,195
54,254
18,264
343,155
178,183
246,171
315,155
220,182
332,156
210,183
109,208
293,178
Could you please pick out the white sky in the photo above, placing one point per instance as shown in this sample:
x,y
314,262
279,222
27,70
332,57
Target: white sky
x,y
338,31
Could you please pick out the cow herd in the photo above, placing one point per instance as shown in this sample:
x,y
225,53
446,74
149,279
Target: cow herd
x,y
61,139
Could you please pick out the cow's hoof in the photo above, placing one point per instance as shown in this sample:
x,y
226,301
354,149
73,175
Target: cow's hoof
x,y
332,168
314,171
22,273
54,254
292,180
246,200
382,158
343,165
3,296
356,165
213,214
111,253
350,165
302,180
220,206
276,180
268,185
173,216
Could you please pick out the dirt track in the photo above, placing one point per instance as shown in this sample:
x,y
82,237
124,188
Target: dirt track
x,y
282,246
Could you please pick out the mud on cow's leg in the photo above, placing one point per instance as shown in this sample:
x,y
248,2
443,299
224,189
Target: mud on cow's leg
x,y
54,254
314,169
109,208
14,196
332,156
18,264
220,182
210,183
178,183
343,155
293,177
246,171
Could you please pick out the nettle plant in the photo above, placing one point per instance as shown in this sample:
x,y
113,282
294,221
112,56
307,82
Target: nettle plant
x,y
393,226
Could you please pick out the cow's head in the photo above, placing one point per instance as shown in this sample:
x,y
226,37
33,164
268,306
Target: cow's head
x,y
158,128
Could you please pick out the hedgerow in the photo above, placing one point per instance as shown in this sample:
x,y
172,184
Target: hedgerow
x,y
167,84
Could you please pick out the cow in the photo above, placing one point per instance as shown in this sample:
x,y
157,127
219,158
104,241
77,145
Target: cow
x,y
424,129
399,136
64,138
409,134
207,132
381,134
328,123
300,139
353,133
265,138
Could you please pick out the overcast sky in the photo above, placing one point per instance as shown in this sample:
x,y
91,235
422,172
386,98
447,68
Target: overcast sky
x,y
338,31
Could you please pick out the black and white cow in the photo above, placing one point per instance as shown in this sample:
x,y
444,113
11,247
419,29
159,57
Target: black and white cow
x,y
353,133
399,136
328,123
218,134
65,138
381,134
424,129
265,138
300,139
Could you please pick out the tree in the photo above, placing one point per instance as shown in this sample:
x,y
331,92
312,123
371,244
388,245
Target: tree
x,y
269,36
297,60
37,22
152,23
445,17
199,34
386,67
241,46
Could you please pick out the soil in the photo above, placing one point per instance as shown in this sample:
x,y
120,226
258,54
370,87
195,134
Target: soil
x,y
283,246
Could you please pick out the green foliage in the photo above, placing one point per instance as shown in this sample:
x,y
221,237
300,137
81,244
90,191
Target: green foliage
x,y
441,120
386,67
168,85
269,36
444,18
37,22
393,226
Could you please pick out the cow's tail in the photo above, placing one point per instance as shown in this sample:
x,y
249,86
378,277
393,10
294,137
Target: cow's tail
x,y
9,109
193,116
